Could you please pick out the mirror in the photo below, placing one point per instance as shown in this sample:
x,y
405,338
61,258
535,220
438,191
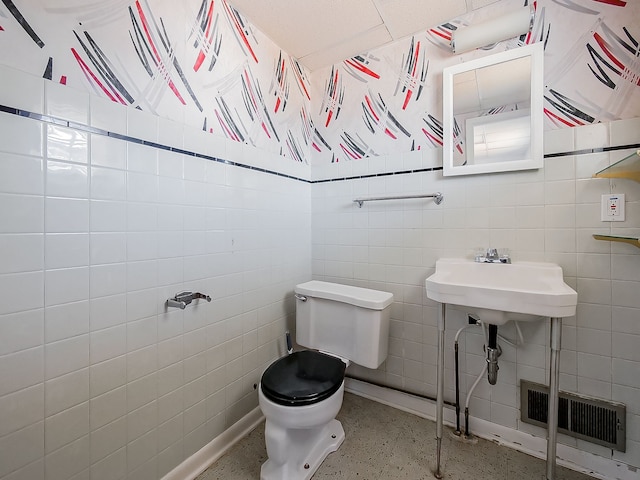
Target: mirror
x,y
493,113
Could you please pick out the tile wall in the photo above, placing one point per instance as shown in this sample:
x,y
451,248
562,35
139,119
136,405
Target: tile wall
x,y
543,215
99,380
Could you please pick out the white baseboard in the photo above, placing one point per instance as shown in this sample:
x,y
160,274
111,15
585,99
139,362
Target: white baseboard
x,y
197,463
567,456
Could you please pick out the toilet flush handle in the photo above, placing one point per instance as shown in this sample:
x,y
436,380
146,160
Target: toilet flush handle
x,y
301,297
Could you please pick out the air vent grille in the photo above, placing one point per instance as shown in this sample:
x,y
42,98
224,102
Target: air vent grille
x,y
597,421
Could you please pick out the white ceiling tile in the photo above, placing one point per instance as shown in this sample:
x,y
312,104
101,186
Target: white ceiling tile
x,y
322,32
475,4
354,46
303,27
407,17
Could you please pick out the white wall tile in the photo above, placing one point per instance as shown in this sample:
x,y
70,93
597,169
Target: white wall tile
x,y
113,466
21,174
108,311
625,267
142,217
21,90
108,375
591,136
26,252
69,460
141,275
109,439
142,420
108,184
108,343
21,135
66,285
66,356
107,247
170,164
66,215
558,141
624,132
142,158
140,451
624,320
21,214
66,391
108,115
141,246
625,372
108,407
21,330
141,304
595,342
66,103
625,294
65,427
141,333
170,132
67,144
108,152
560,192
107,280
64,250
142,362
21,448
142,125
21,291
107,216
141,391
21,409
142,187
67,180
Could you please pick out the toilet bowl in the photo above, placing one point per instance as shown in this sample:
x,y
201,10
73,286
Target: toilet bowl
x,y
300,394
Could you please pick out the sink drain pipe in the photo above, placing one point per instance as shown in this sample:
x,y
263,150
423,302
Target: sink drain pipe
x,y
492,355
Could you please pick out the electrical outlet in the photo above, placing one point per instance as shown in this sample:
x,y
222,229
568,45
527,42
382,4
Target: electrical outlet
x,y
613,207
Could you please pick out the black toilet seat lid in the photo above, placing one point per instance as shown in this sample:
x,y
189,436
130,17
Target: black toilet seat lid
x,y
303,378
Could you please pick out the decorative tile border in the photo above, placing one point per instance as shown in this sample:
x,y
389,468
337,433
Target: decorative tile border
x,y
98,131
127,138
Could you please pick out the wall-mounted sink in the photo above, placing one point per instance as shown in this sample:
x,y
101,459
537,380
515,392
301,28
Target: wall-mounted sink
x,y
498,292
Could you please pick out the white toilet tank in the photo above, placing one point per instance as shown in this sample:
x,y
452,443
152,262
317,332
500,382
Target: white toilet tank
x,y
350,322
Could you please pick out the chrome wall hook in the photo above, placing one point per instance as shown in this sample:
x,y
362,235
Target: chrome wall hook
x,y
182,299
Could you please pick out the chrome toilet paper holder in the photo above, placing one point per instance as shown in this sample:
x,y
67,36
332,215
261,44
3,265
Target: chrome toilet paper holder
x,y
182,299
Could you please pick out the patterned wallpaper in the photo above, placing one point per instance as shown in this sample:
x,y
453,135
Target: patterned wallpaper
x,y
202,63
195,61
389,101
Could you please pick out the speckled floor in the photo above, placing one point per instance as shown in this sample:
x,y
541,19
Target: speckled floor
x,y
383,443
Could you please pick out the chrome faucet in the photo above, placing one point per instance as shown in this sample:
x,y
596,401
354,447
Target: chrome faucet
x,y
492,256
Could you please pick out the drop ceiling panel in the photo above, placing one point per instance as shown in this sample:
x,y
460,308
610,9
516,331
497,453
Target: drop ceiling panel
x,y
407,17
339,52
323,32
302,27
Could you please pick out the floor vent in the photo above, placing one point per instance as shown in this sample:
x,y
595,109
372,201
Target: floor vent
x,y
597,421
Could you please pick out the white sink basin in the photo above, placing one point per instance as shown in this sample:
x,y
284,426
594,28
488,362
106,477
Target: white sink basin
x,y
498,292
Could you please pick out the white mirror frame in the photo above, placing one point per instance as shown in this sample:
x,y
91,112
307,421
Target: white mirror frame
x,y
536,160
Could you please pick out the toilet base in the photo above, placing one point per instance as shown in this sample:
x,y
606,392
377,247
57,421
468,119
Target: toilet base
x,y
306,447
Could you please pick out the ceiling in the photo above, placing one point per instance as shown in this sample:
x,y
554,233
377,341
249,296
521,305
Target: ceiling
x,y
319,33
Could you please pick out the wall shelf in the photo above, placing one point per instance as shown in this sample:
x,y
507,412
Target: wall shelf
x,y
618,238
628,167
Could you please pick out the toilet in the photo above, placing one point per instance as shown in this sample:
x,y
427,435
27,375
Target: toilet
x,y
301,394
